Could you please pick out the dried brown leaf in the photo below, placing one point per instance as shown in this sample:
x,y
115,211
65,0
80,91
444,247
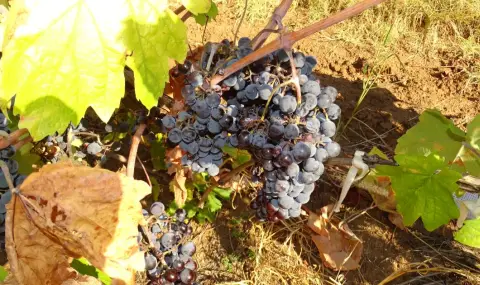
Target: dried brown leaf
x,y
339,249
178,187
173,157
74,211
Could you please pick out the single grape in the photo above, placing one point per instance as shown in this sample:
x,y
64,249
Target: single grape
x,y
171,275
150,262
240,85
264,77
301,151
193,148
291,131
188,248
286,202
195,78
312,125
188,276
94,148
258,140
311,87
288,104
276,131
329,128
244,42
168,122
311,165
214,127
264,91
268,165
308,188
232,110
334,112
188,134
178,265
185,67
306,177
230,81
324,101
213,100
310,101
299,59
213,170
168,240
294,213
293,170
226,121
188,92
180,215
330,92
282,185
217,113
157,208
284,159
321,154
251,92
333,149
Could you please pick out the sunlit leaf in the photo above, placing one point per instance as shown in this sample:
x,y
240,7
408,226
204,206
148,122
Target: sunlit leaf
x,y
3,273
84,267
469,234
155,35
197,6
433,134
423,188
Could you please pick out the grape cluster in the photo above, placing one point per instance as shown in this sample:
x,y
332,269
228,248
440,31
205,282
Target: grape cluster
x,y
170,261
6,155
288,135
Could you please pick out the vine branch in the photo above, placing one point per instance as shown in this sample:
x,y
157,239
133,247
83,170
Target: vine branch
x,y
275,20
133,149
287,40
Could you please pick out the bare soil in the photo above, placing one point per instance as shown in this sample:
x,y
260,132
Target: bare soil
x,y
408,84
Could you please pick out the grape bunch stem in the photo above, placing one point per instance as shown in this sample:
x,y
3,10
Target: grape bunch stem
x,y
287,40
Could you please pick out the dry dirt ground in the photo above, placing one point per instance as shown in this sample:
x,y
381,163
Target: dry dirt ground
x,y
236,250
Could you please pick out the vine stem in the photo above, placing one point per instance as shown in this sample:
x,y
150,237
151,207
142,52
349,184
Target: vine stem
x,y
179,10
287,40
133,149
224,179
276,18
241,21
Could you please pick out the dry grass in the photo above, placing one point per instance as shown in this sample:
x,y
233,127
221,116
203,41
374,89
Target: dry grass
x,y
429,27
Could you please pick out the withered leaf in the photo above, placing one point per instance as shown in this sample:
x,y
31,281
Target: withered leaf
x,y
339,248
178,187
67,211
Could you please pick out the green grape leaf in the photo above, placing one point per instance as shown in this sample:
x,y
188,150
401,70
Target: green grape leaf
x,y
3,273
155,189
239,156
222,192
423,188
197,6
469,154
157,152
84,267
154,35
201,19
433,134
213,203
469,234
26,159
63,57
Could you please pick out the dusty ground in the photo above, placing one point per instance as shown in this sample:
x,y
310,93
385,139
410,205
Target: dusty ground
x,y
237,251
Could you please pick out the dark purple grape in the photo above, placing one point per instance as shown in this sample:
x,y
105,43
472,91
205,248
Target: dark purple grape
x,y
285,159
188,276
178,265
171,275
